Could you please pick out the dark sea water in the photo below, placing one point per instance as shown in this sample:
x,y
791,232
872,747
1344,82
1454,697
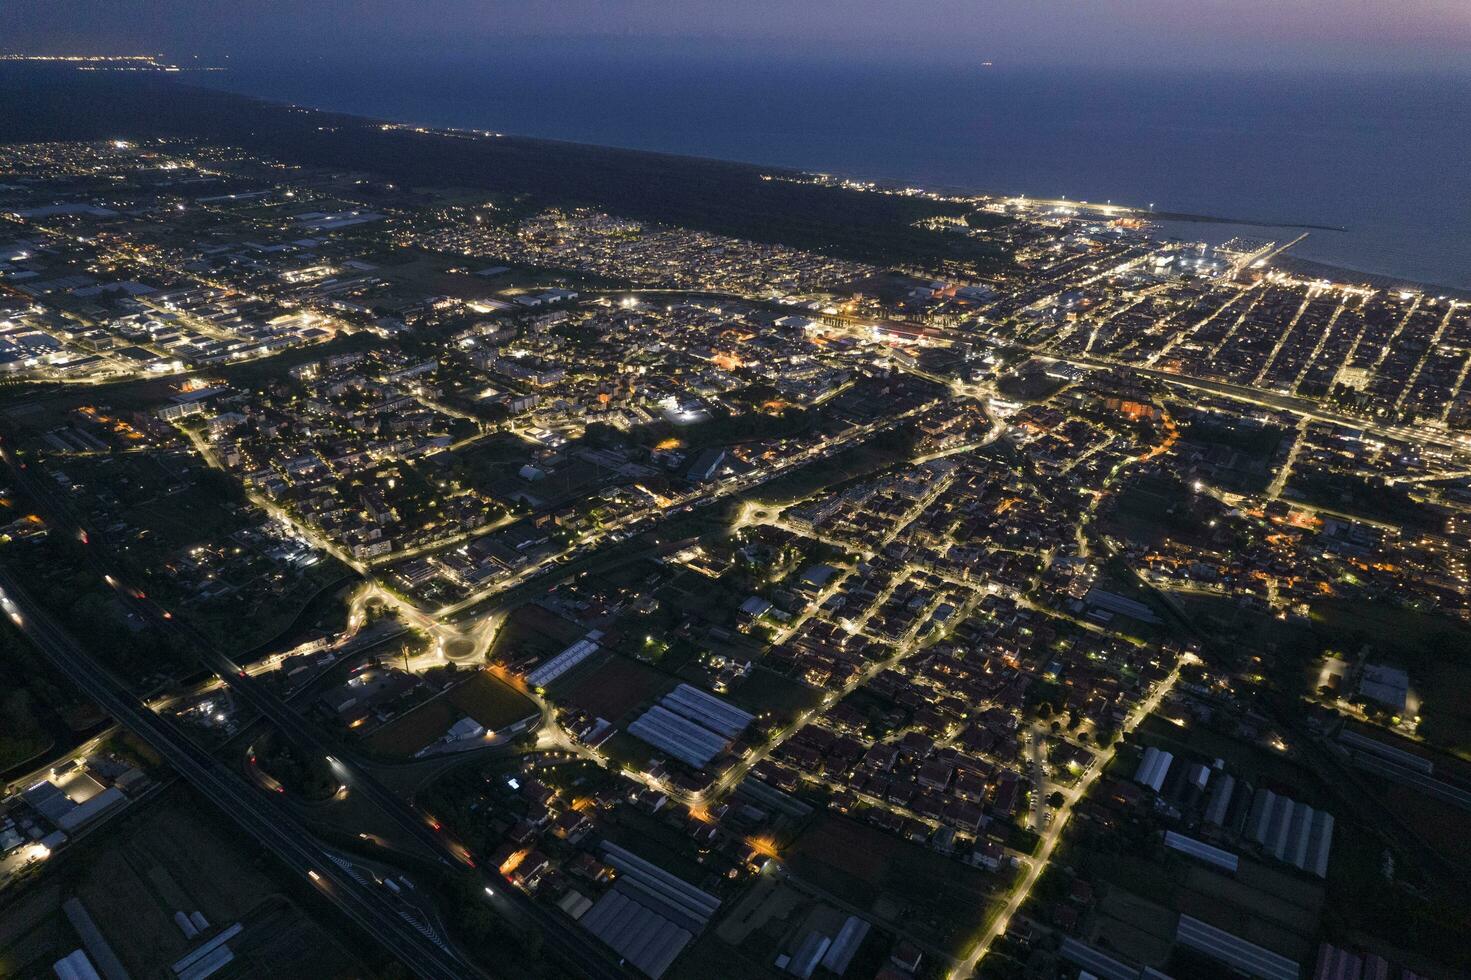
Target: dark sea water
x,y
1386,156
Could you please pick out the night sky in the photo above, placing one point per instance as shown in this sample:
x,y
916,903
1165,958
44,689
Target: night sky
x,y
1367,34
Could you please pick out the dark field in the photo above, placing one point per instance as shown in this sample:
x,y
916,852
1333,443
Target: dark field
x,y
932,897
616,688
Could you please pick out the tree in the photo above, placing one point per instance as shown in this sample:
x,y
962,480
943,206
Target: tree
x,y
479,924
531,942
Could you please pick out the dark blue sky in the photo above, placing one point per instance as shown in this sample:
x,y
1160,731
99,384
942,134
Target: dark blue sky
x,y
1319,34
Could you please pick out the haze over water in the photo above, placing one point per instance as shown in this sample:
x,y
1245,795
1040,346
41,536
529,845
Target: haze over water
x,y
1386,156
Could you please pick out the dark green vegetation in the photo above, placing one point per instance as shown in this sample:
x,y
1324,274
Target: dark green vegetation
x,y
178,853
517,950
1155,508
936,898
765,690
477,805
307,776
1429,646
1383,890
1357,496
59,576
185,534
493,703
38,709
36,406
727,198
1239,452
1030,384
720,430
1362,899
861,461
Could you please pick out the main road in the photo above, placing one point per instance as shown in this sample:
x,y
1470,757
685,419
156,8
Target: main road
x,y
564,940
1051,835
261,816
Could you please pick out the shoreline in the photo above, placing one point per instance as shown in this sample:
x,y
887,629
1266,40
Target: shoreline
x,y
1347,276
1308,267
1213,219
888,184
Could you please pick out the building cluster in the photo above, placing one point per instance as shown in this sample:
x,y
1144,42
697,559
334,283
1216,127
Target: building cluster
x,y
337,449
121,475
567,844
630,251
132,260
1384,355
43,814
844,547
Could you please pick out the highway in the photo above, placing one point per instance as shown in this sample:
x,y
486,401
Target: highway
x,y
564,939
261,816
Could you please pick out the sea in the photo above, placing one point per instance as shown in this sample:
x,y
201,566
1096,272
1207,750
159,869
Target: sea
x,y
1376,166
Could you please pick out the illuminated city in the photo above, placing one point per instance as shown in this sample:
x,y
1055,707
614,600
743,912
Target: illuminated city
x,y
431,552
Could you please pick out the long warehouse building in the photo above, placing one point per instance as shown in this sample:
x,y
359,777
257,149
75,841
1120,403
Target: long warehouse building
x,y
565,661
1291,831
1249,958
708,710
1153,768
1201,851
688,742
691,725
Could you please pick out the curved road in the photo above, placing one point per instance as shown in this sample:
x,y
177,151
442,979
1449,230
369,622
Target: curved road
x,y
270,823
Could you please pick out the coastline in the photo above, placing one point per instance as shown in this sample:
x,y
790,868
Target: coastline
x,y
1337,271
1219,151
885,185
1216,219
1343,274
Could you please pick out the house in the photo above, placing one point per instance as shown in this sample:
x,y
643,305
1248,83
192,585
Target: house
x,y
987,855
934,775
587,867
527,874
572,826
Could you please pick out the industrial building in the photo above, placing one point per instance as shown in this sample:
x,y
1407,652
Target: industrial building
x,y
831,952
1388,686
691,725
1249,958
1153,768
1201,851
1103,966
565,661
650,915
1290,831
1217,810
